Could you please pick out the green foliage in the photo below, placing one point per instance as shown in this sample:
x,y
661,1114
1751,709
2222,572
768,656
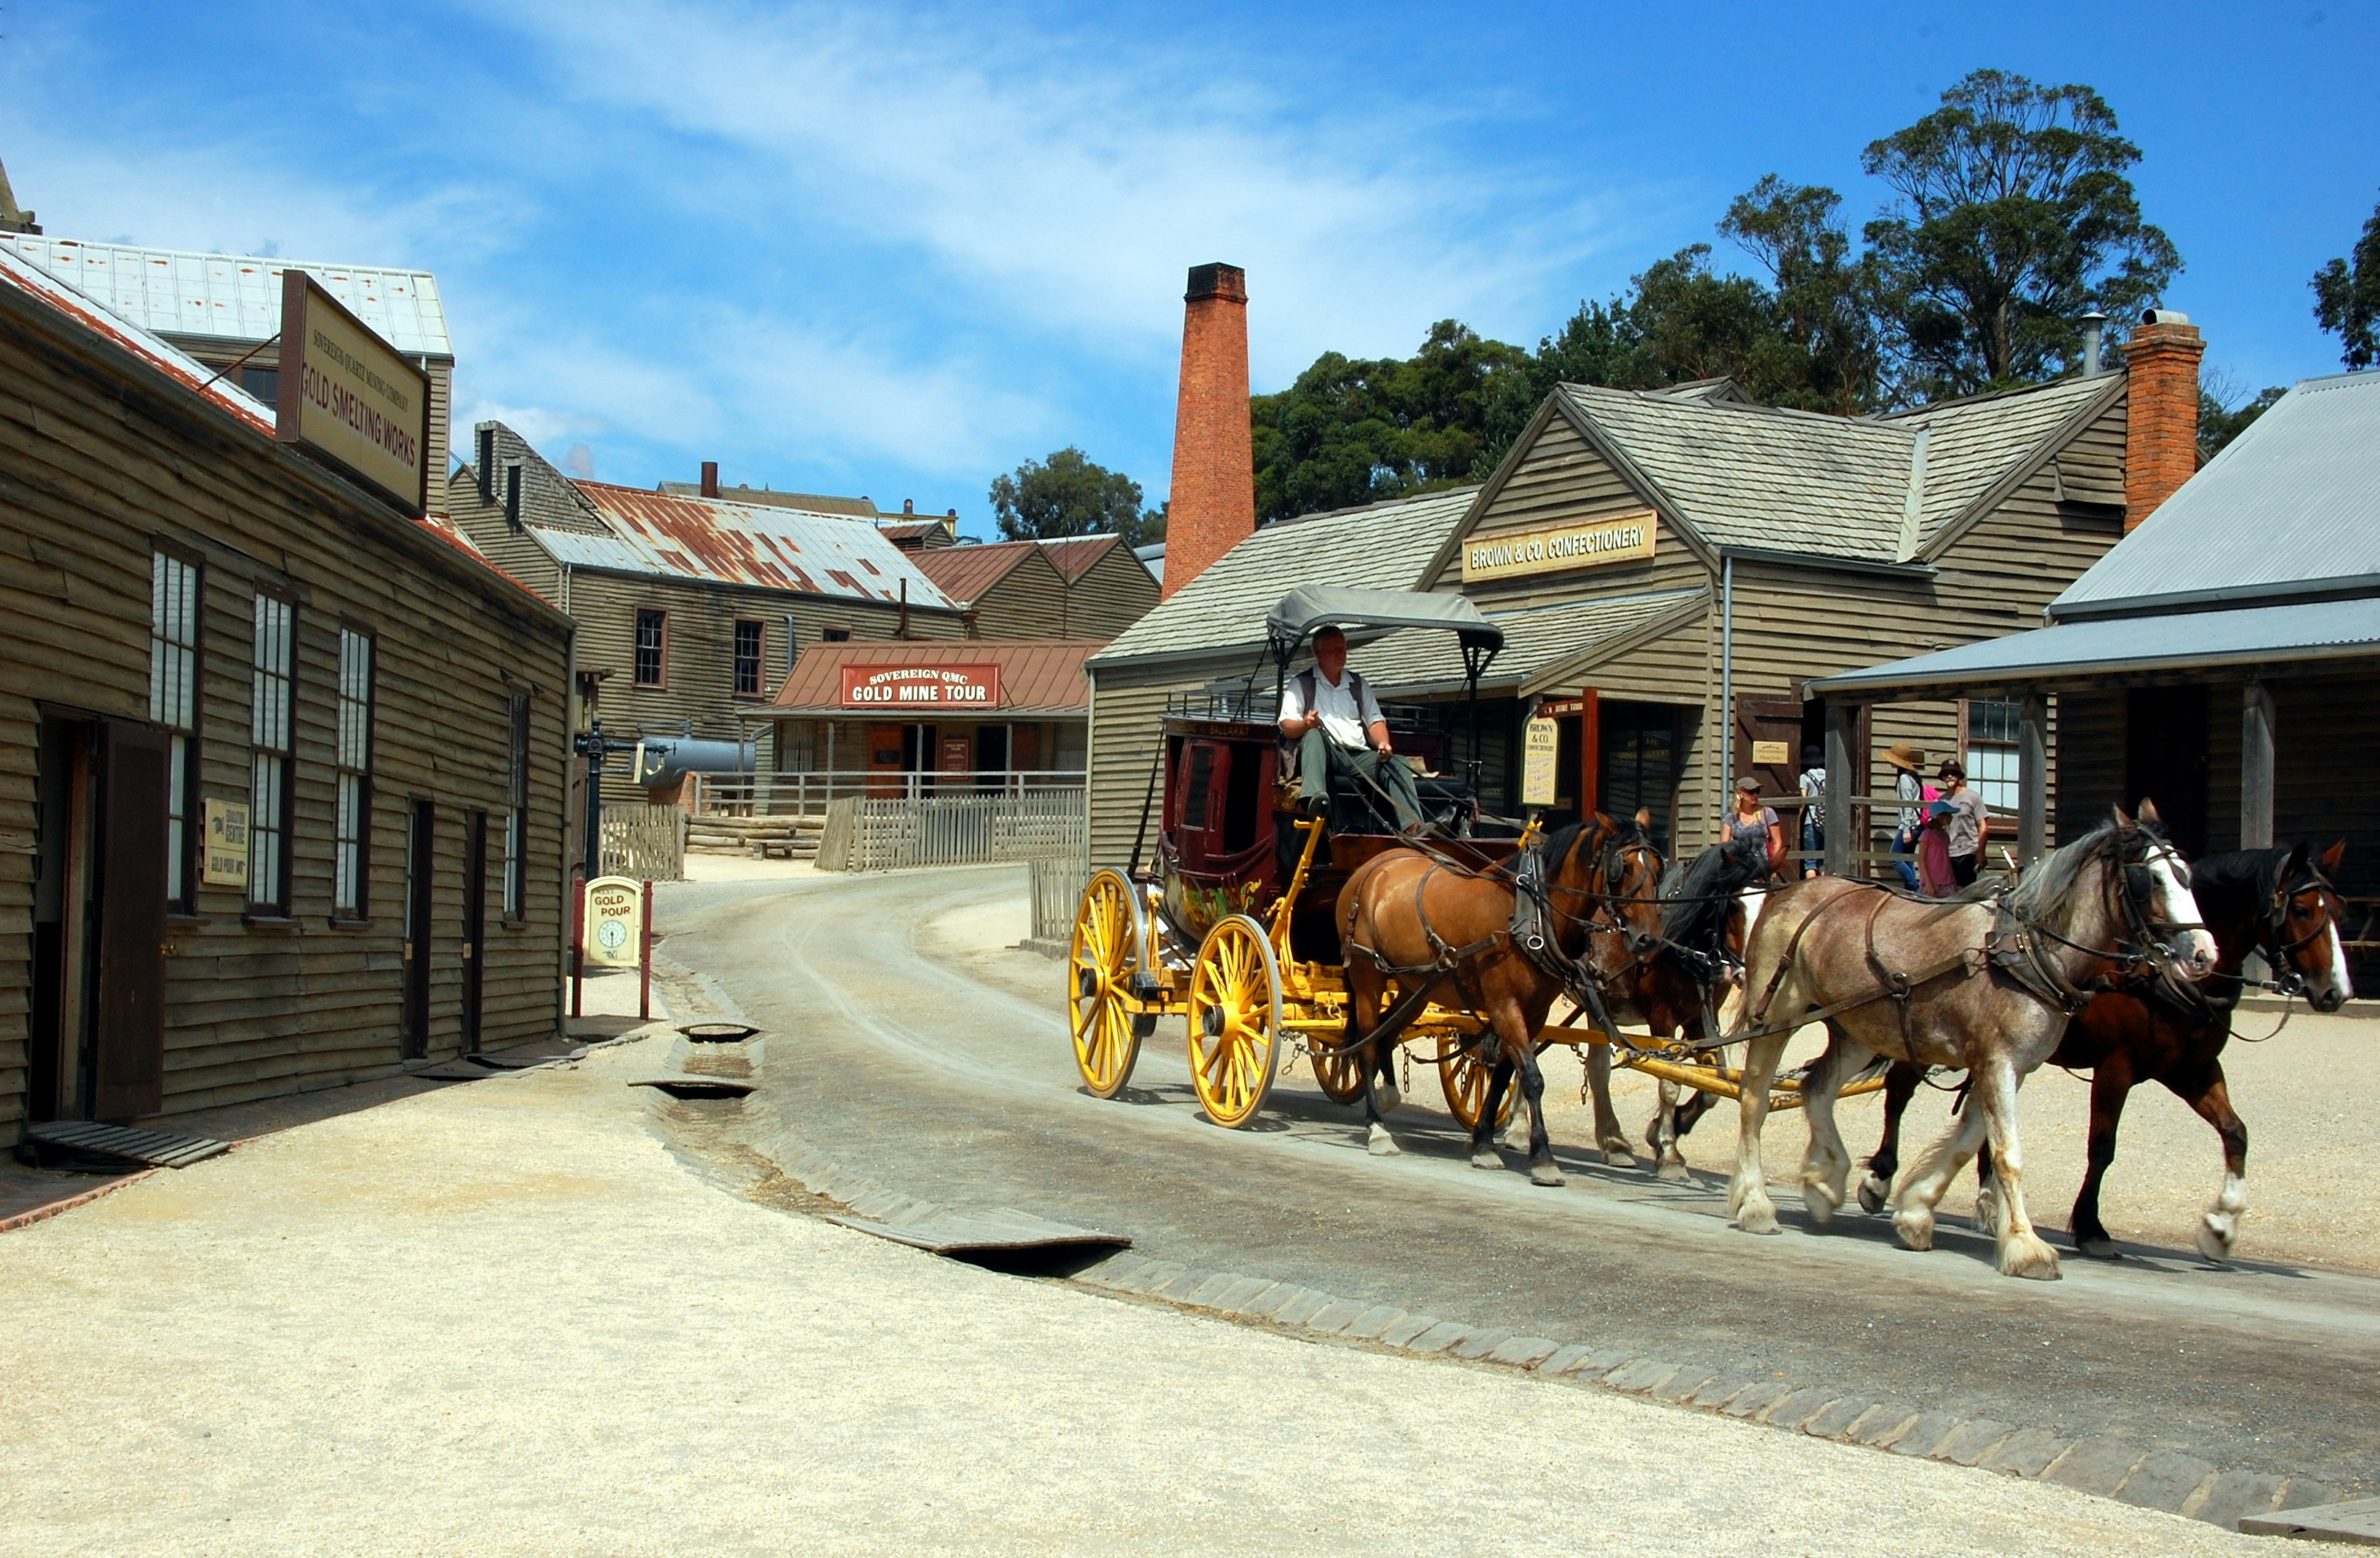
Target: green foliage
x,y
1353,432
2219,421
2013,217
2347,298
1069,495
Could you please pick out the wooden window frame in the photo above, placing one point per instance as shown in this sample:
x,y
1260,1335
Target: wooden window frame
x,y
184,903
358,911
834,635
636,649
277,907
515,877
759,658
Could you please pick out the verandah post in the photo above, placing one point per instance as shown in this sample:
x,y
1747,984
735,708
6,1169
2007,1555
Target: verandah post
x,y
1846,777
2255,766
2033,779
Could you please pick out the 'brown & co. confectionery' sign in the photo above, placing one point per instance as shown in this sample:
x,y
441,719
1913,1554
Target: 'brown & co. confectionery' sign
x,y
1584,543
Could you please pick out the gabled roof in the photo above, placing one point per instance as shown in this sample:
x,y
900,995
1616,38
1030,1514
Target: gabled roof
x,y
2290,508
233,297
1382,545
1075,554
1036,675
718,542
967,574
1728,473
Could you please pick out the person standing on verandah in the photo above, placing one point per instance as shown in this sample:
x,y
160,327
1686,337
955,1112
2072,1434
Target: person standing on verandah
x,y
1970,826
1334,718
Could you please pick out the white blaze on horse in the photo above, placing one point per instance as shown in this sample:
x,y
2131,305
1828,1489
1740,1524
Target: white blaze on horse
x,y
1982,984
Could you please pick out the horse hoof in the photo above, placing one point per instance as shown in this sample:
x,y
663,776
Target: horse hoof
x,y
2028,1258
1915,1226
1815,1202
1988,1211
1487,1158
1382,1145
2215,1238
1871,1194
1758,1217
1517,1139
1388,1098
2099,1248
1618,1156
1673,1169
1544,1173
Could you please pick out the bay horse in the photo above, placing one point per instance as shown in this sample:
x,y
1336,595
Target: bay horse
x,y
2280,903
1437,932
1984,983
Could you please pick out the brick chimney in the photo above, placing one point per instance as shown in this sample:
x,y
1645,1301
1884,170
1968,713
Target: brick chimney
x,y
1214,499
710,479
2161,416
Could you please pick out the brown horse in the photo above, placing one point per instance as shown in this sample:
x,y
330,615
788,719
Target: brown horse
x,y
1980,984
2280,903
1435,931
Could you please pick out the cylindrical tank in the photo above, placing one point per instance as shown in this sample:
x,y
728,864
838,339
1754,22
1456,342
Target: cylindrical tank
x,y
662,761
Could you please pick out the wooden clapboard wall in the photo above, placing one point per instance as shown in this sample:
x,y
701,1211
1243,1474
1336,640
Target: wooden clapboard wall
x,y
101,459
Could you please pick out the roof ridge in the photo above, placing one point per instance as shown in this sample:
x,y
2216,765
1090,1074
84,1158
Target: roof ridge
x,y
265,260
1981,397
1669,401
1401,500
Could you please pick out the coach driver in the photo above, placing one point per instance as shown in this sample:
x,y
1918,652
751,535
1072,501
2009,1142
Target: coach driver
x,y
1331,715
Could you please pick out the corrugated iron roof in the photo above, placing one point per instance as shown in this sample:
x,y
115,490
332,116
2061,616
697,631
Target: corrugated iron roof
x,y
233,297
1036,677
2110,646
966,573
2290,508
1074,555
726,543
814,503
95,314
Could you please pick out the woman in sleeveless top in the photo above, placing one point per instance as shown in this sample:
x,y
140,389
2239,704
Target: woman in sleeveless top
x,y
1750,819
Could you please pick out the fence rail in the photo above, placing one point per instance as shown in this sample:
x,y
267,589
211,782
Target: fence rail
x,y
644,842
810,795
865,835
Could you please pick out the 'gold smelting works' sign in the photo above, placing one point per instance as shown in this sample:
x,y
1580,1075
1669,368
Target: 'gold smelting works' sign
x,y
1586,543
349,398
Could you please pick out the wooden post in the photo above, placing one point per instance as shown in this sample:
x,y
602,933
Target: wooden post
x,y
645,959
578,951
1846,776
2255,766
2033,779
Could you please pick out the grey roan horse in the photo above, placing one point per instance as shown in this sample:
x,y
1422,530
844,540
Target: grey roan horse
x,y
1982,986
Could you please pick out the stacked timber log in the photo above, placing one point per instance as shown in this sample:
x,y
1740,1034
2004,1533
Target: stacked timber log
x,y
793,838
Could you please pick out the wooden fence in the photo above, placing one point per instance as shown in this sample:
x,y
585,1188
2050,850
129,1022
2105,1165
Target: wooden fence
x,y
644,842
878,835
1058,884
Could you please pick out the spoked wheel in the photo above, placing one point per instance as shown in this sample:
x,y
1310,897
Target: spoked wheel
x,y
1340,1076
1234,1020
1464,1076
1106,943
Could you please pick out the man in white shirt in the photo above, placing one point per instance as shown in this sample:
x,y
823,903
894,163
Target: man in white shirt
x,y
1331,715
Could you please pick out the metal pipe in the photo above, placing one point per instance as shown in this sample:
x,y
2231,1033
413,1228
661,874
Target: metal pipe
x,y
1726,680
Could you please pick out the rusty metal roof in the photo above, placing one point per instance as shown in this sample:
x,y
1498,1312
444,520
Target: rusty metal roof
x,y
96,316
1036,675
966,573
723,542
1074,555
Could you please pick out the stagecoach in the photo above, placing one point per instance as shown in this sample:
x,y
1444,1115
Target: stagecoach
x,y
1232,927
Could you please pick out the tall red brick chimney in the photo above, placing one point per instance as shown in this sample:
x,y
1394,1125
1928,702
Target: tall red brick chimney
x,y
2161,415
1214,501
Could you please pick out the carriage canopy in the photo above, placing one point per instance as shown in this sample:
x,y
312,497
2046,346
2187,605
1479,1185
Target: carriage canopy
x,y
1312,607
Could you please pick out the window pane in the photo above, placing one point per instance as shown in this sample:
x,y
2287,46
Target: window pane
x,y
346,856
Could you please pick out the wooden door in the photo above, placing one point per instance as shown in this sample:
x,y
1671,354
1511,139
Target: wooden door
x,y
1768,734
420,860
129,1003
475,929
885,757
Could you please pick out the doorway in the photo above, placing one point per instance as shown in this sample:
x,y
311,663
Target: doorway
x,y
991,756
2166,760
420,860
475,929
1637,763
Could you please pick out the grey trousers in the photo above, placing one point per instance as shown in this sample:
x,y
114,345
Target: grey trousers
x,y
1318,757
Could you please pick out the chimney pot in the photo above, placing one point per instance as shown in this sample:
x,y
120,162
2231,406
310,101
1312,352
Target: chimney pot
x,y
710,479
2160,411
908,506
2094,342
1214,495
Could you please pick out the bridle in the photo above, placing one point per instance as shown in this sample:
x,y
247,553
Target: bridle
x,y
2126,888
2281,956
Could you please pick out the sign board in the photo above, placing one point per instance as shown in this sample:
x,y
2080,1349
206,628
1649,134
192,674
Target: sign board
x,y
956,756
921,687
1540,748
615,922
1766,754
1582,543
1563,708
225,858
350,399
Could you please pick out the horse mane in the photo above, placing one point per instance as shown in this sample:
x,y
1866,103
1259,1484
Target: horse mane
x,y
1558,846
2238,880
2047,884
1695,898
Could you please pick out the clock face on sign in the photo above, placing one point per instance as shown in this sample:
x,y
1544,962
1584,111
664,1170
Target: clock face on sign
x,y
613,934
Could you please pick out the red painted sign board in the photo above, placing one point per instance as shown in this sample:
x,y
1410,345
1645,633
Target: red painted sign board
x,y
936,688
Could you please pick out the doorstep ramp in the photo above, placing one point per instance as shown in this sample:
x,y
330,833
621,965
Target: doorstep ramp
x,y
157,1149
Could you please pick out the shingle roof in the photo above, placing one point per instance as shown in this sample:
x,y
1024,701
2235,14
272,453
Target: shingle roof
x,y
726,543
1758,477
1038,676
1535,640
1384,546
2290,508
965,573
233,296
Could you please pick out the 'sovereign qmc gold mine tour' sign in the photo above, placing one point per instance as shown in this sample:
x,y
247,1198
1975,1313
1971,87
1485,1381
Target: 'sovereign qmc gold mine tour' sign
x,y
1586,543
350,397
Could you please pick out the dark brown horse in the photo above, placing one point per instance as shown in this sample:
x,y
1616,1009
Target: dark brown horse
x,y
1432,931
2280,903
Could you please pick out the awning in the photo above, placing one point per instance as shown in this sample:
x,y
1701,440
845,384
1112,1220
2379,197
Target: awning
x,y
1310,606
2086,653
1035,677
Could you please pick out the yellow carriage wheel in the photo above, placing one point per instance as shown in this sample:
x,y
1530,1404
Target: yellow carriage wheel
x,y
1106,944
1466,1076
1234,1020
1340,1076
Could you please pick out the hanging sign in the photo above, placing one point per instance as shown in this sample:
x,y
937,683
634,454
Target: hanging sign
x,y
615,922
1582,543
350,399
225,856
921,687
1540,749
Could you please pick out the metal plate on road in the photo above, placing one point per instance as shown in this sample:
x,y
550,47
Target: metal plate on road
x,y
953,1232
2356,1522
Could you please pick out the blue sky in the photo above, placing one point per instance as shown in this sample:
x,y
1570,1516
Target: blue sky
x,y
894,249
